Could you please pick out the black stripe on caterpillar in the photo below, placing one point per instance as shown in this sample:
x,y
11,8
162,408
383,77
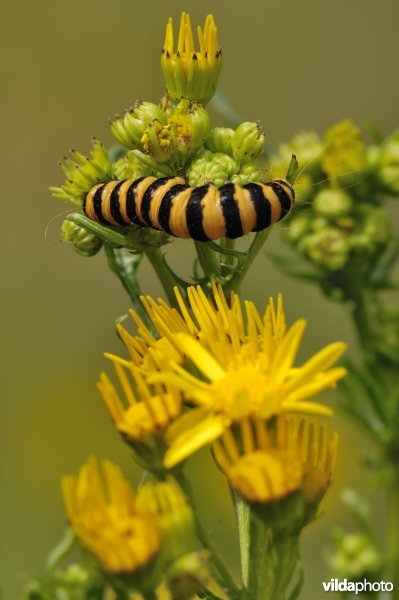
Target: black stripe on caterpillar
x,y
202,213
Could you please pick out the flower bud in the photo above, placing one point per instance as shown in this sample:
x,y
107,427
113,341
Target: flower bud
x,y
82,173
187,575
285,472
189,128
156,140
247,141
328,248
298,229
355,556
190,73
168,506
130,167
373,232
211,168
250,172
388,164
345,153
219,140
129,129
84,242
332,203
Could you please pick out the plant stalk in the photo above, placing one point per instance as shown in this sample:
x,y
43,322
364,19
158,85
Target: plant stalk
x,y
155,257
219,570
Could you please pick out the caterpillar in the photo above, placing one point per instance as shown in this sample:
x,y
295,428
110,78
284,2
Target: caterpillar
x,y
202,213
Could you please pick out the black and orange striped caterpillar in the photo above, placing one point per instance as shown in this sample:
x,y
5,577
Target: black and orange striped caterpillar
x,y
202,213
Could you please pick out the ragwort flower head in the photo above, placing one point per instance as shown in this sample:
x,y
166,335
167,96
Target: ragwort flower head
x,y
108,519
141,413
190,73
282,469
240,366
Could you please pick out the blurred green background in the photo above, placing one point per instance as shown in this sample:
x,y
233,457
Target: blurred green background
x,y
67,67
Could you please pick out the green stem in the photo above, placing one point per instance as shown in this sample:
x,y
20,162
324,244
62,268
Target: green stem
x,y
242,268
273,560
393,529
243,523
155,257
208,260
107,234
227,260
219,570
286,552
125,266
61,550
259,540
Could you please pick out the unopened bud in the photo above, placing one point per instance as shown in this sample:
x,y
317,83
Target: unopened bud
x,y
332,203
247,141
84,242
373,232
129,129
211,168
345,153
187,575
219,139
328,248
189,128
249,173
298,228
82,173
355,556
190,73
388,164
130,167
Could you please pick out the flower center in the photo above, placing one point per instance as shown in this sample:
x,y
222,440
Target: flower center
x,y
247,391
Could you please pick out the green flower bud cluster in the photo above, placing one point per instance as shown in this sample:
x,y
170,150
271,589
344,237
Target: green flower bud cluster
x,y
84,242
340,218
344,155
216,168
170,136
337,230
74,583
132,166
307,147
244,144
130,128
387,159
82,173
355,556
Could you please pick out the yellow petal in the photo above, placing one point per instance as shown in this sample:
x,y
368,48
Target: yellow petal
x,y
200,357
191,390
287,350
191,440
187,421
309,408
323,381
318,363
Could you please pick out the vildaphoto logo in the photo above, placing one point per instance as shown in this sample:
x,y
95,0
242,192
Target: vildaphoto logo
x,y
336,585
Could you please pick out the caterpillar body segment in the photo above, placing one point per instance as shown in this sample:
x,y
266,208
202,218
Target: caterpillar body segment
x,y
202,213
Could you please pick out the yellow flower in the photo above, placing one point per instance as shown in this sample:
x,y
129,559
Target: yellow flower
x,y
245,369
108,519
142,413
174,516
147,351
279,460
190,73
